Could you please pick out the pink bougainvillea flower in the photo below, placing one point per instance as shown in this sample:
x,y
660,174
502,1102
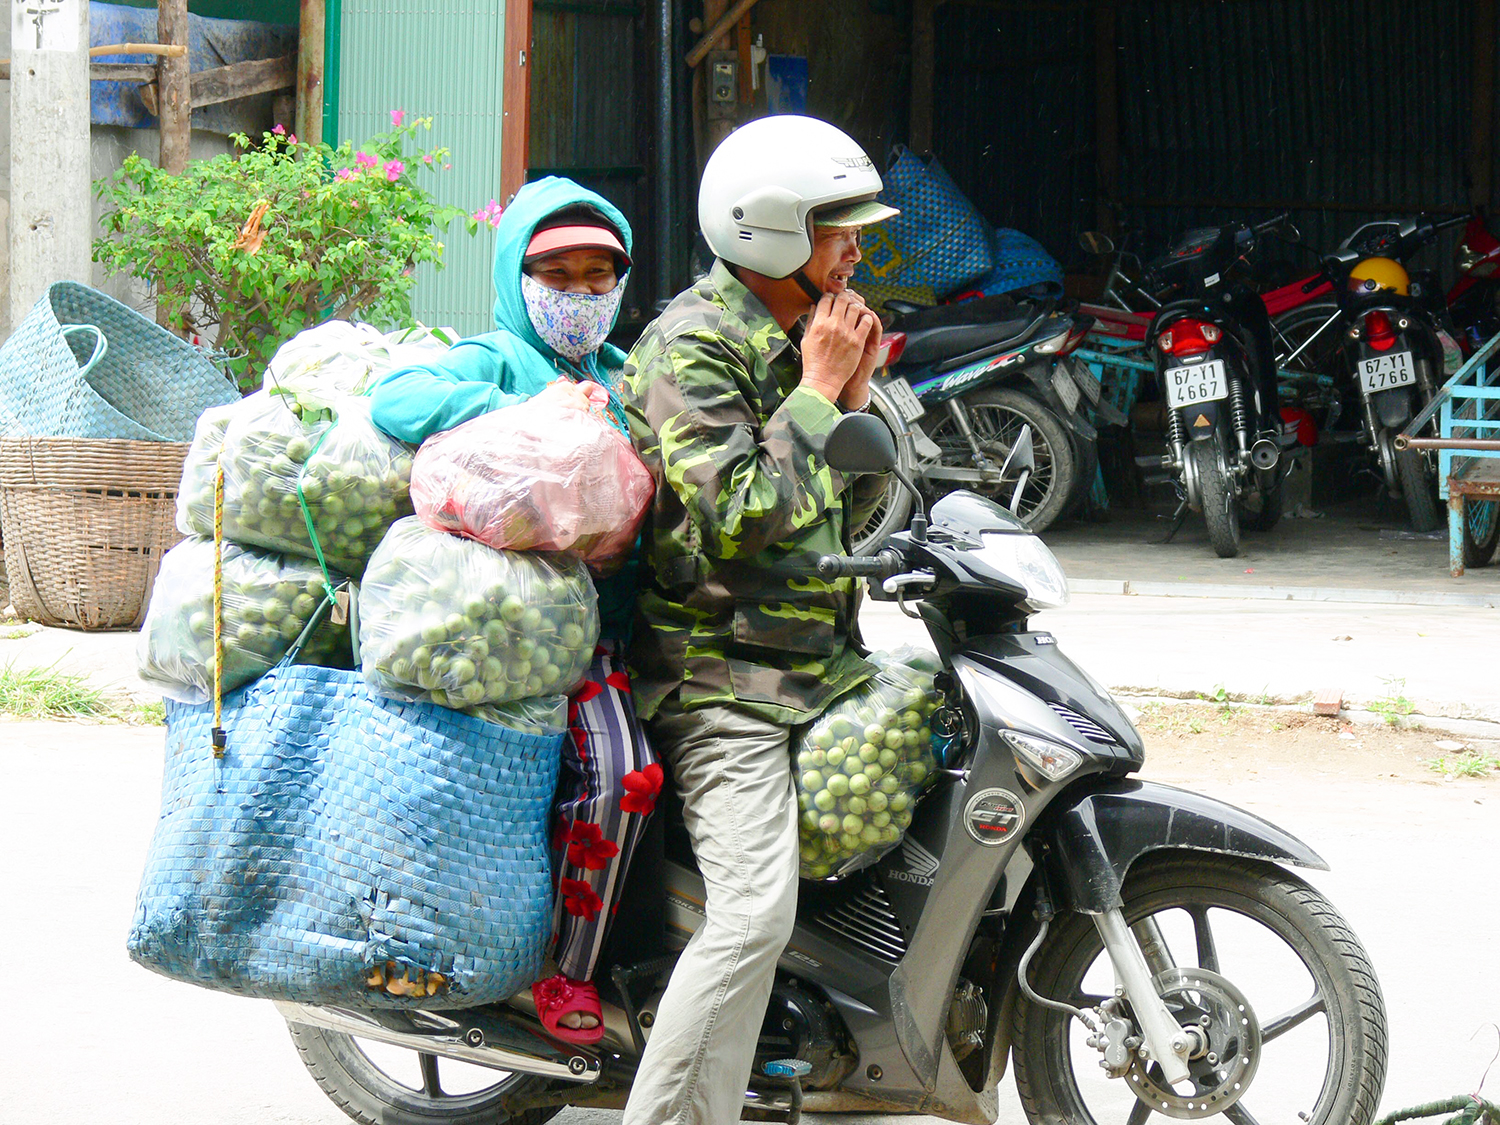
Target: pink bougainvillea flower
x,y
365,160
427,159
292,139
393,170
397,116
489,213
279,130
446,167
343,174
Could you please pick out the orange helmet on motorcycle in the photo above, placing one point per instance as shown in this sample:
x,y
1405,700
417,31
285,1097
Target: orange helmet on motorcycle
x,y
1378,273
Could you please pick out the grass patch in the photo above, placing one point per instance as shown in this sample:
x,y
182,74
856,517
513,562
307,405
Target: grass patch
x,y
148,714
45,693
19,632
1393,706
1466,763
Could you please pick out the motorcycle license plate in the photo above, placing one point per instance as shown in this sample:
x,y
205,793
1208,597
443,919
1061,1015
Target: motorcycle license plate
x,y
899,391
1196,382
1383,372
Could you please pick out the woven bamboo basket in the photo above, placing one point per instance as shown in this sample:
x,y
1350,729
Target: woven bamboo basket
x,y
85,523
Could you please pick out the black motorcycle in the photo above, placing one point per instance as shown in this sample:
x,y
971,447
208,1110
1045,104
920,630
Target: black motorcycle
x,y
1044,907
1216,368
961,380
1393,349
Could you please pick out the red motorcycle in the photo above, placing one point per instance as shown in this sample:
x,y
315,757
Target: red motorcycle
x,y
1474,300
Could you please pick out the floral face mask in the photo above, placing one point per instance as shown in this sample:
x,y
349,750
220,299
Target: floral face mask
x,y
571,324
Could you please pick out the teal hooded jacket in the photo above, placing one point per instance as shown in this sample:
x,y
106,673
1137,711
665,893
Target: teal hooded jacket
x,y
510,364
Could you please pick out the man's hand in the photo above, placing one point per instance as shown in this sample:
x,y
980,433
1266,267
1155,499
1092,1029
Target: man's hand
x,y
564,393
837,346
856,395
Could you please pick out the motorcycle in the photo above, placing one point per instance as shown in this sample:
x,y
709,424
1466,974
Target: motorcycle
x,y
1394,347
1045,910
959,381
1474,300
1212,349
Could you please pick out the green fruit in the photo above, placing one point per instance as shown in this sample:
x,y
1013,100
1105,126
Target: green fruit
x,y
812,781
852,765
823,800
512,609
810,820
888,759
859,785
823,739
804,760
880,819
893,739
434,632
461,672
836,756
810,853
869,753
877,800
889,784
899,802
869,836
856,806
829,823
874,732
531,618
457,625
850,841
838,785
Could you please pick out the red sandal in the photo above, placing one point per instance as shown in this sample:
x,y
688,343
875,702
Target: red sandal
x,y
556,996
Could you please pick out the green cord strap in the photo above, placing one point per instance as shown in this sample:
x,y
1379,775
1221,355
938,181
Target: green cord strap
x,y
1471,1110
312,532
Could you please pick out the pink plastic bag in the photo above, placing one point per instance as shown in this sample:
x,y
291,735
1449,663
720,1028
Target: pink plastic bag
x,y
542,475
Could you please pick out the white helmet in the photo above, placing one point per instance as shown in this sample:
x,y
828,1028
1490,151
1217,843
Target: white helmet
x,y
768,176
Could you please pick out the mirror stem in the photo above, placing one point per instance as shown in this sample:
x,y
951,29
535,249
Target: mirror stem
x,y
918,526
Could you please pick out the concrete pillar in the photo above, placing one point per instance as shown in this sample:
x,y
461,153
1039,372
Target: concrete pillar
x,y
49,148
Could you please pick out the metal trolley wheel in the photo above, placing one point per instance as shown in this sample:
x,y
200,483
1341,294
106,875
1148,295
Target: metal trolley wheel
x,y
1481,531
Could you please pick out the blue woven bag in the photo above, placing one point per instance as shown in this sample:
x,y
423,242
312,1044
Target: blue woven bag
x,y
342,832
939,241
83,365
1020,262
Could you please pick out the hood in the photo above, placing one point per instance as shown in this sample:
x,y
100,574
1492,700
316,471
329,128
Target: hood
x,y
532,204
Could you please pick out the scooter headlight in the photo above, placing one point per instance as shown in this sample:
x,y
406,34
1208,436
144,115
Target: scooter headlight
x,y
1048,758
1026,560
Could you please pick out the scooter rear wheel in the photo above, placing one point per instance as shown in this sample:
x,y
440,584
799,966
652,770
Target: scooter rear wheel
x,y
1418,489
1321,1049
377,1084
1220,508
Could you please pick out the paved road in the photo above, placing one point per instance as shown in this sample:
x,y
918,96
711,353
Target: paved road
x,y
94,1038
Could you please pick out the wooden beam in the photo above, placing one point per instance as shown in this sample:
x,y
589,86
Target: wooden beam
x,y
719,28
239,80
311,43
1106,117
175,119
923,70
1482,112
515,99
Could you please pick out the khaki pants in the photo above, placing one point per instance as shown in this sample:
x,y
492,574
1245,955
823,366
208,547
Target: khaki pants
x,y
734,776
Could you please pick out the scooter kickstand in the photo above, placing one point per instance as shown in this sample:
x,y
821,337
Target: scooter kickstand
x,y
1179,517
788,1074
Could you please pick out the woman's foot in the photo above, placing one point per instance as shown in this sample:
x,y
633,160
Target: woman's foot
x,y
569,1009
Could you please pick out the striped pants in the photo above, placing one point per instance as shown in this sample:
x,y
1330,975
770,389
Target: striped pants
x,y
606,793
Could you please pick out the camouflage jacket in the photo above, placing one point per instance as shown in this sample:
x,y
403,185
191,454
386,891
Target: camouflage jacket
x,y
731,609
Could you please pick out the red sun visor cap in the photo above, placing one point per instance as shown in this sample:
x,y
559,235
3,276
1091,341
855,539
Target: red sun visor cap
x,y
555,240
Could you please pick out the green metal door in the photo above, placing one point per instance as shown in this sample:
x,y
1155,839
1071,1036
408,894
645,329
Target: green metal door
x,y
438,59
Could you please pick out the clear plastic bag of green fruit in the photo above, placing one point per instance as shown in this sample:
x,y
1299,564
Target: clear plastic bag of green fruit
x,y
356,480
459,624
267,602
544,714
860,766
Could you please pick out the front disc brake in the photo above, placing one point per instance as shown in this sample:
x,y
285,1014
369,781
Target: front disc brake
x,y
1227,1052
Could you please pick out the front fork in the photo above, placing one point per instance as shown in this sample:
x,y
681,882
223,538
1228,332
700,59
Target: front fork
x,y
1137,956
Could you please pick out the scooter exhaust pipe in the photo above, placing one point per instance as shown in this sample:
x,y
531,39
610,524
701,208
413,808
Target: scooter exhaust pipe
x,y
489,1037
1264,454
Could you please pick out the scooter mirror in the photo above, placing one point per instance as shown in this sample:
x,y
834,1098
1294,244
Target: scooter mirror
x,y
1096,243
1022,455
861,443
1291,232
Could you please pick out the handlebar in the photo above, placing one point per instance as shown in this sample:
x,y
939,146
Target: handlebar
x,y
883,565
1272,223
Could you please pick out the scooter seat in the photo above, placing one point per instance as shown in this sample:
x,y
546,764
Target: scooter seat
x,y
948,330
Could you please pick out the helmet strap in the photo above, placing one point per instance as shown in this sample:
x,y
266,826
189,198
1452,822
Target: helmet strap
x,y
814,294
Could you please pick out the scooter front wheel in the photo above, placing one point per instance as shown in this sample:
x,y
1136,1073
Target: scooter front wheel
x,y
377,1084
1299,1033
893,510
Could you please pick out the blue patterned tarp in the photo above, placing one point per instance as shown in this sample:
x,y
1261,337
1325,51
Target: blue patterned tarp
x,y
342,831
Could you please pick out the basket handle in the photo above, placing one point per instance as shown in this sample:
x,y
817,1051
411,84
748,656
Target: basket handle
x,y
100,344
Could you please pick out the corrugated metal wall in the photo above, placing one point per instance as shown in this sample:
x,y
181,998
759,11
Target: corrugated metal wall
x,y
592,116
1227,108
437,58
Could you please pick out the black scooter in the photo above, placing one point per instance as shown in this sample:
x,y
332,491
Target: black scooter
x,y
1044,907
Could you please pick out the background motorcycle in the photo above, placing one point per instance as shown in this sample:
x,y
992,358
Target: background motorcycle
x,y
1212,349
959,383
1393,350
1043,908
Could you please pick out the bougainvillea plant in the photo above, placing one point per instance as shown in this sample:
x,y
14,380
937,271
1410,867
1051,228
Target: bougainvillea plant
x,y
247,249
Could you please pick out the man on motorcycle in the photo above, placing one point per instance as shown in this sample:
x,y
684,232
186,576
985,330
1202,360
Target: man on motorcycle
x,y
731,394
